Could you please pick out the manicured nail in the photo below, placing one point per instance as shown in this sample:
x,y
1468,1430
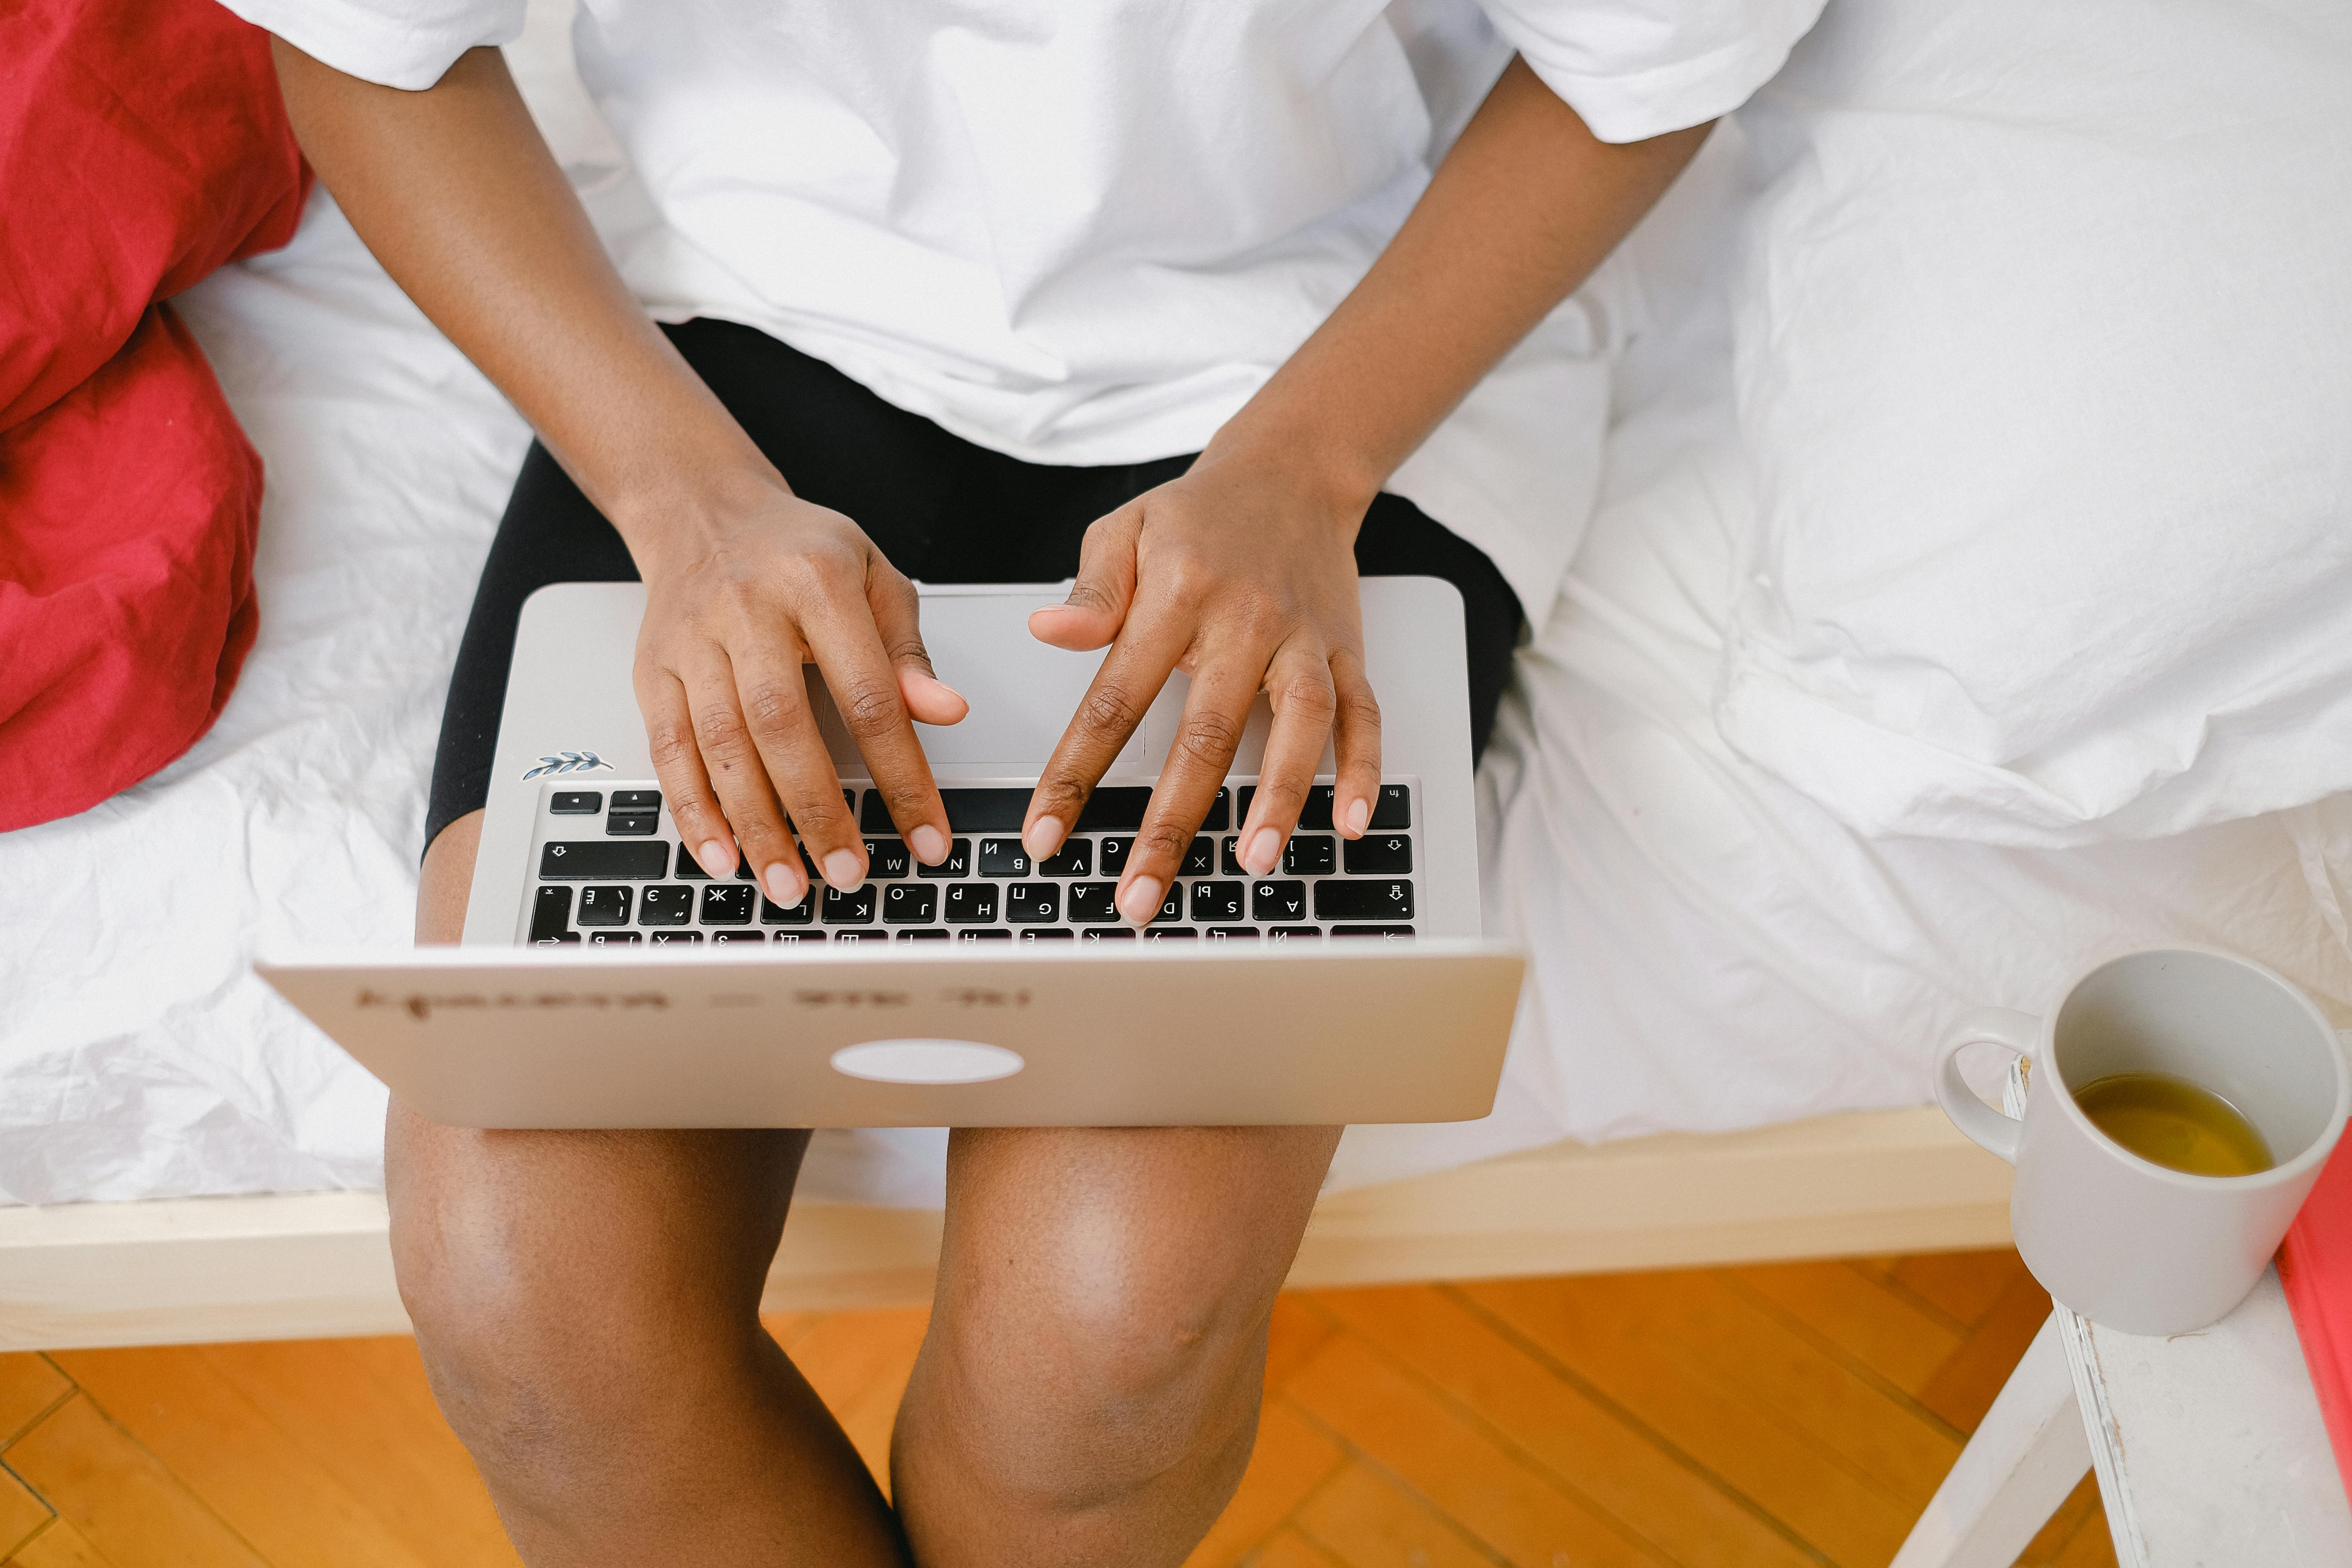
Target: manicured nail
x,y
784,884
1265,849
929,847
715,858
842,871
1359,813
1141,901
1044,837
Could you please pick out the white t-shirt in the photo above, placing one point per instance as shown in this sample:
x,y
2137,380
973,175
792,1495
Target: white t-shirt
x,y
1086,231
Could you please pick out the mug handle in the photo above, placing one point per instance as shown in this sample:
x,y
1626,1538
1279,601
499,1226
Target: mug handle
x,y
1981,1122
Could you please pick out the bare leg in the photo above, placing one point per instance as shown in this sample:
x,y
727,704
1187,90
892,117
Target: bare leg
x,y
587,1304
1088,1391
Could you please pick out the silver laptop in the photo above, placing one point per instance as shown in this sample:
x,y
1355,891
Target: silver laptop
x,y
606,981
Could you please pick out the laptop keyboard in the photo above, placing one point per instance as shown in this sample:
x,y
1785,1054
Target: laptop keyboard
x,y
608,870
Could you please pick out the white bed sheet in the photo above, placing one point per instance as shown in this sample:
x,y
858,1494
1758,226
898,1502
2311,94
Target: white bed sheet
x,y
1711,950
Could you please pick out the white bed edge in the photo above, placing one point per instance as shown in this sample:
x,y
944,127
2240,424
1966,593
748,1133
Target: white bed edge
x,y
303,1265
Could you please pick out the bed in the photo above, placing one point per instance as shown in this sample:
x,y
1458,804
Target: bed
x,y
1738,972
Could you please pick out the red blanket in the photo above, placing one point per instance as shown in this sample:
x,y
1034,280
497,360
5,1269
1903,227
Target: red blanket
x,y
143,145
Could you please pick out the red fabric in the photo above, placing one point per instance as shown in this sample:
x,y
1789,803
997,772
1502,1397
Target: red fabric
x,y
2316,1267
143,145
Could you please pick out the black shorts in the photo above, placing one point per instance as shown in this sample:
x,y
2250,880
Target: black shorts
x,y
941,508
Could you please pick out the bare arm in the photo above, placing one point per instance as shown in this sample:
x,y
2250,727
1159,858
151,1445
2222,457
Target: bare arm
x,y
1243,571
456,193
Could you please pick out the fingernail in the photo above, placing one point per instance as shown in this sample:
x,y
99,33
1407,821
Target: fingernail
x,y
784,886
1265,848
1359,813
1141,901
1044,837
716,859
929,847
841,870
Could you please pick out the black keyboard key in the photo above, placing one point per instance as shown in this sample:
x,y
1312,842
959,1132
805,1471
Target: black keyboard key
x,y
1169,933
719,936
576,802
776,914
632,823
911,904
1314,817
1171,908
971,903
854,935
728,903
613,938
933,934
1074,858
664,938
1378,854
1003,858
1116,809
781,937
1384,933
1090,902
1277,901
1364,900
551,914
1200,859
1293,933
850,909
667,905
984,936
886,859
690,869
874,816
1113,854
606,906
986,810
1310,855
1221,812
1393,806
1107,933
957,864
1032,903
1035,933
1230,933
596,861
1218,901
636,800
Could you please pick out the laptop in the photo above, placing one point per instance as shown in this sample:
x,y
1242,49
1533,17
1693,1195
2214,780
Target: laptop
x,y
605,979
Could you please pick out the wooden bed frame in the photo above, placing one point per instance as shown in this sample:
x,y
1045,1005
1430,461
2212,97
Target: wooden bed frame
x,y
309,1265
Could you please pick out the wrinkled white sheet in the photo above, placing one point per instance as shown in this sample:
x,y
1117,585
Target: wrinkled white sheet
x,y
1711,949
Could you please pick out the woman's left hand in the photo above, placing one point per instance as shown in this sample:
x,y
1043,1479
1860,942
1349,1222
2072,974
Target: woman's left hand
x,y
1243,575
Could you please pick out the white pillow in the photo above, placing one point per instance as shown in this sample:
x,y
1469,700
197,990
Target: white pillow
x,y
2044,360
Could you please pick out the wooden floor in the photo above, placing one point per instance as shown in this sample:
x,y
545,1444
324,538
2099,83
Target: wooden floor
x,y
1742,1418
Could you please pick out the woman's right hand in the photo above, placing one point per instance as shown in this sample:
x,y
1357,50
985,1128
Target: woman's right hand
x,y
741,591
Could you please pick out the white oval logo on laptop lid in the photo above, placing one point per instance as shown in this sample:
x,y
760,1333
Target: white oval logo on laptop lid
x,y
926,1061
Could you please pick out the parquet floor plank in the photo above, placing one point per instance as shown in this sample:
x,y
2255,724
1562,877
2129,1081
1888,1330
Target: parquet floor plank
x,y
858,1362
29,1385
1965,1386
2091,1546
2050,1542
1292,1458
269,1488
1854,1310
1519,1511
1587,1446
1299,1329
1289,1549
22,1515
59,1546
1963,1286
1752,1448
120,1497
1367,1520
362,1411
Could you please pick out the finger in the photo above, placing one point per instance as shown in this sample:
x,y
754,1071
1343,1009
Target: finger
x,y
847,644
1357,743
740,778
898,616
1105,590
677,764
1130,675
1214,713
1299,685
783,731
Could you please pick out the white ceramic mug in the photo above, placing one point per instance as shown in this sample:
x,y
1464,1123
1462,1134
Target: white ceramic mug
x,y
2127,1243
